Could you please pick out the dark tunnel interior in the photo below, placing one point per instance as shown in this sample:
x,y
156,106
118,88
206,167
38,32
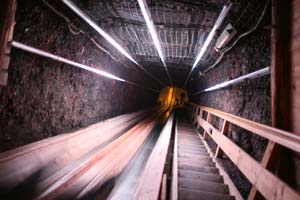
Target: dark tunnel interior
x,y
45,97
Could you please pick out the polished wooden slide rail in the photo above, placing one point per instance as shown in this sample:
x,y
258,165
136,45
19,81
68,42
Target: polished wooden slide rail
x,y
75,165
269,185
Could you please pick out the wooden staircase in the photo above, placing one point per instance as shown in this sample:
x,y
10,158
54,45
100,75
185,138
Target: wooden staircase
x,y
198,176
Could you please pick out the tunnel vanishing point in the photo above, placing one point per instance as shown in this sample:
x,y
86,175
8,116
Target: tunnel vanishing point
x,y
150,99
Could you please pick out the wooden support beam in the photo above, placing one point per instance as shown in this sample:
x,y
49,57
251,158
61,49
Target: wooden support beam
x,y
281,64
7,19
285,93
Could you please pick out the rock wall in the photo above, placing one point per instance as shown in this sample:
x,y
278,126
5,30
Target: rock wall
x,y
44,98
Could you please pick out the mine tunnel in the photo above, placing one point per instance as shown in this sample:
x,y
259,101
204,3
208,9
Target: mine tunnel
x,y
150,99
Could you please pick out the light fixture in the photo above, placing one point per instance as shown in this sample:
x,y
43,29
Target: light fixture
x,y
149,22
253,75
225,37
208,40
212,33
146,14
76,64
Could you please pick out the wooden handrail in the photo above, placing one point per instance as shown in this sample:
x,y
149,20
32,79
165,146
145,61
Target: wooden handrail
x,y
252,169
284,138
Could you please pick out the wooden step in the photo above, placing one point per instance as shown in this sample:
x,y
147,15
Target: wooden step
x,y
193,156
185,125
194,152
187,133
204,169
196,162
188,136
191,146
190,142
200,176
192,184
187,144
195,147
192,149
187,194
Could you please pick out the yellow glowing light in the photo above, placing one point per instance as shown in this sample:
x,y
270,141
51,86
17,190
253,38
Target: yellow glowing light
x,y
172,97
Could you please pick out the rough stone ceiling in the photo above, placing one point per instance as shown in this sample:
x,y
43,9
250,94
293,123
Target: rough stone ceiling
x,y
182,27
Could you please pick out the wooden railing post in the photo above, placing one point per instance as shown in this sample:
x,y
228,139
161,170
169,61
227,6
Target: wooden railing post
x,y
224,131
209,120
200,115
194,114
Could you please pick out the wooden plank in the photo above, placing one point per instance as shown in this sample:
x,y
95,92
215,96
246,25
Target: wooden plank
x,y
295,57
296,7
295,76
255,173
149,190
200,115
163,193
174,194
296,119
287,139
296,69
295,22
295,46
209,119
295,102
224,131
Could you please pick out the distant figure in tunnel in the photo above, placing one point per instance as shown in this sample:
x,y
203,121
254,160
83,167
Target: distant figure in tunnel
x,y
182,95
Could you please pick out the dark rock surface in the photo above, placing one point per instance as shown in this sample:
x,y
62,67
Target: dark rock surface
x,y
44,98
